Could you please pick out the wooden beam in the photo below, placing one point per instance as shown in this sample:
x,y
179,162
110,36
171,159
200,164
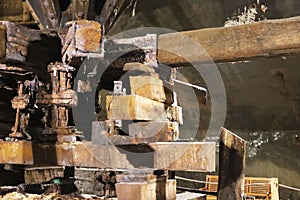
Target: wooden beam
x,y
111,12
162,130
232,159
46,13
77,10
185,156
265,38
148,86
19,152
181,156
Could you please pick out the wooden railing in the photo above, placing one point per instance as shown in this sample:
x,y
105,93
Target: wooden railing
x,y
254,187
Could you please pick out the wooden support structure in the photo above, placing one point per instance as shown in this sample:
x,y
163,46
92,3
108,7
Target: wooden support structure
x,y
18,152
134,107
139,133
266,38
253,187
165,131
232,158
148,86
77,10
46,13
111,12
181,156
30,49
139,186
184,155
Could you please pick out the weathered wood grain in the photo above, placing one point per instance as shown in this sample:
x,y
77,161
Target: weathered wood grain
x,y
232,158
19,152
46,13
148,86
164,131
265,38
134,107
181,156
2,41
185,156
34,49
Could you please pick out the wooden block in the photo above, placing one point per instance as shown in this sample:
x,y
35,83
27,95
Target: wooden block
x,y
84,36
136,191
174,113
42,174
185,156
146,191
134,107
17,152
2,40
136,66
170,190
166,131
148,86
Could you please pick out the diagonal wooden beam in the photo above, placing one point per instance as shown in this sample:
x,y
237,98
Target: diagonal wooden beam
x,y
267,38
111,12
46,13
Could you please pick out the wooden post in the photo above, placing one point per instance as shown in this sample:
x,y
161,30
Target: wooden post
x,y
231,166
274,189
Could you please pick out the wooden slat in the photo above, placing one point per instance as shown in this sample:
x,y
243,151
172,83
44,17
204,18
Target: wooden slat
x,y
232,158
134,107
266,38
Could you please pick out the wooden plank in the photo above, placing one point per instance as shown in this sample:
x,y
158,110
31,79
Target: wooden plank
x,y
166,131
17,152
2,41
265,38
232,158
134,107
185,156
148,86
